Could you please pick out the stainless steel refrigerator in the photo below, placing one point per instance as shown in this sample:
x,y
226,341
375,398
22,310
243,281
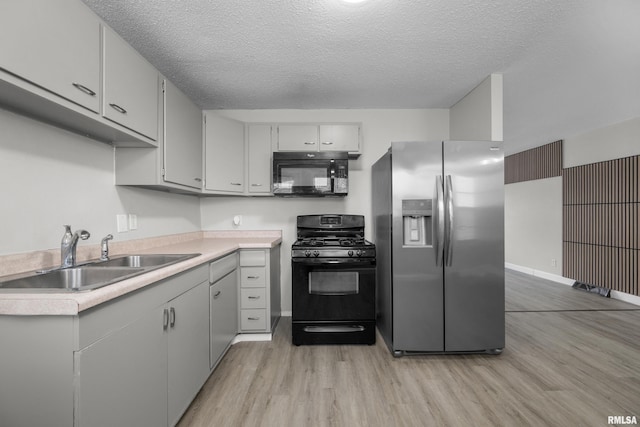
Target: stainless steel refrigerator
x,y
438,214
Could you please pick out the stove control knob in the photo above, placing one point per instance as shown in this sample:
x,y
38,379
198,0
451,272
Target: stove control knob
x,y
307,253
359,252
316,253
350,253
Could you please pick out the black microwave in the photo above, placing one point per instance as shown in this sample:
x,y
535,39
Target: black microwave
x,y
310,174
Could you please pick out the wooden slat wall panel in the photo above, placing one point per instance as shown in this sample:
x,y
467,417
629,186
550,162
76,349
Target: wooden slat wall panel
x,y
601,224
537,163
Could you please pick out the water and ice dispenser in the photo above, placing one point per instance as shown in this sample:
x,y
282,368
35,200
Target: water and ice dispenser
x,y
417,223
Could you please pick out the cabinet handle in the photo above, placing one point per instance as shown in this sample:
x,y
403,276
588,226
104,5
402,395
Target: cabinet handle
x,y
327,143
253,318
165,319
197,179
310,143
235,183
256,185
254,297
118,108
217,294
84,89
253,277
172,316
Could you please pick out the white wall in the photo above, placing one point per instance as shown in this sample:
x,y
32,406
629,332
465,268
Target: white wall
x,y
478,115
52,177
533,224
380,127
608,143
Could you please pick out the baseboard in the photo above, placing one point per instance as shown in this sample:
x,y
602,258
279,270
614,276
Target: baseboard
x,y
622,296
251,337
539,273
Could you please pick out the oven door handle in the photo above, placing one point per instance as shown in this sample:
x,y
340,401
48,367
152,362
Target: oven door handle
x,y
346,261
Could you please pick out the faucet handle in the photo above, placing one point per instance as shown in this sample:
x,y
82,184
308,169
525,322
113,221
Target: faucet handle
x,y
83,234
104,246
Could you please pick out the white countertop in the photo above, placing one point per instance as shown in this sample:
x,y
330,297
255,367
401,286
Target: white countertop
x,y
211,245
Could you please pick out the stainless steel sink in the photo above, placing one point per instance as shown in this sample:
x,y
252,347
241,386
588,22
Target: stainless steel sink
x,y
149,260
72,279
92,275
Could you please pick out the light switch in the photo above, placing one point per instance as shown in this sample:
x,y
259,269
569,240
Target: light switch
x,y
121,220
133,222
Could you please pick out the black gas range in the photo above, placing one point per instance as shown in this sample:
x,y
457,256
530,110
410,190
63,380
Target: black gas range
x,y
333,281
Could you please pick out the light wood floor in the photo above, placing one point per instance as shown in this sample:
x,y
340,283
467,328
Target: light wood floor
x,y
571,359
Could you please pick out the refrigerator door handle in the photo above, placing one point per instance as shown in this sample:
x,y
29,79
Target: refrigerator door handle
x,y
439,220
448,222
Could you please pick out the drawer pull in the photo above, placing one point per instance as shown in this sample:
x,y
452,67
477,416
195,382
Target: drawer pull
x,y
172,317
118,108
256,185
310,143
235,183
84,89
253,277
253,318
254,297
327,143
217,294
165,319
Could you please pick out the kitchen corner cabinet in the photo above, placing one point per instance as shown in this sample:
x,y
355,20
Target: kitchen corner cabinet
x,y
138,360
259,159
182,138
259,290
176,164
223,294
224,155
130,87
322,137
56,48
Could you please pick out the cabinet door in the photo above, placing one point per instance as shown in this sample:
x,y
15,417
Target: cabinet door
x,y
182,138
340,137
123,377
259,158
224,314
224,154
297,138
130,87
54,44
188,348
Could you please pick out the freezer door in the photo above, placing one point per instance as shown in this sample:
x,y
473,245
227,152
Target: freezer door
x,y
474,245
417,277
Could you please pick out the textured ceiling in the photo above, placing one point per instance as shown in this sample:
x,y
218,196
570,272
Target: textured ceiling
x,y
569,66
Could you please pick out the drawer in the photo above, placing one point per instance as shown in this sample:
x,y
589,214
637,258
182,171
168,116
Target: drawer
x,y
253,277
253,320
253,258
253,298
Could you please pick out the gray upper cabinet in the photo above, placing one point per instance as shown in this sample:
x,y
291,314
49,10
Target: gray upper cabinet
x,y
224,154
130,87
259,159
297,138
57,47
340,137
182,138
320,137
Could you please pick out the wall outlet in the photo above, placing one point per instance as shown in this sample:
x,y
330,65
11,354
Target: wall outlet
x,y
121,221
133,222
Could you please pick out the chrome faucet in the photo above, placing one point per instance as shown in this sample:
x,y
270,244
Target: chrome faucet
x,y
69,244
104,246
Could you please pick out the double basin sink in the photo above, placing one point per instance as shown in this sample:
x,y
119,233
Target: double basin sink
x,y
92,275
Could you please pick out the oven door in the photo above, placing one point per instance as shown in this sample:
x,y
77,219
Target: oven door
x,y
333,289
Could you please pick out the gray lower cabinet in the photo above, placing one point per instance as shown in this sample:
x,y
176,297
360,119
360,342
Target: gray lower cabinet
x,y
138,360
259,289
